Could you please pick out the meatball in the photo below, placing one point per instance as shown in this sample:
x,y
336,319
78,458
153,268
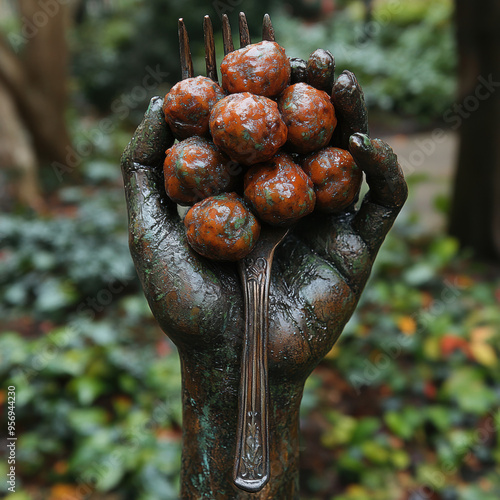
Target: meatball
x,y
188,104
261,68
309,116
336,178
222,227
279,191
248,128
195,169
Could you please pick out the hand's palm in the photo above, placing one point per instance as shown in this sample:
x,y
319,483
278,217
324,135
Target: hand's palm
x,y
318,272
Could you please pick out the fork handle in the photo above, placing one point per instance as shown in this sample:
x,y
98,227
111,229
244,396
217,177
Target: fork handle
x,y
251,468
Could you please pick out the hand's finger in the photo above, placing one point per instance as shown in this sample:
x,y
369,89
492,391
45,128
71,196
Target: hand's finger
x,y
146,153
321,70
349,102
388,189
150,141
184,291
383,173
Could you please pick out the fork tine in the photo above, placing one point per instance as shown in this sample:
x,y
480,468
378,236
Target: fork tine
x,y
267,29
185,52
226,35
210,59
244,33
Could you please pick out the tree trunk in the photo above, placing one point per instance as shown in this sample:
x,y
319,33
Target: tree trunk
x,y
17,157
36,77
475,211
45,61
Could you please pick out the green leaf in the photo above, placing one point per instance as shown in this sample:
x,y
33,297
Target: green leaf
x,y
86,388
341,430
419,274
400,459
440,416
365,429
467,387
72,362
54,294
476,493
110,473
159,484
405,422
375,452
13,350
20,495
352,460
87,420
442,250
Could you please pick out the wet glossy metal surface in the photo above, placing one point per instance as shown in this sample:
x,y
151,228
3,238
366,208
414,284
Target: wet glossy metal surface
x,y
252,464
317,276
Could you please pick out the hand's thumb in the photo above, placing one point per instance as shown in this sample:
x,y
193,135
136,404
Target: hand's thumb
x,y
150,141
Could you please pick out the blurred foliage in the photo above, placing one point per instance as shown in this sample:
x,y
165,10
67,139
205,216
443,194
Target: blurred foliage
x,y
114,47
404,406
407,401
50,264
97,384
403,54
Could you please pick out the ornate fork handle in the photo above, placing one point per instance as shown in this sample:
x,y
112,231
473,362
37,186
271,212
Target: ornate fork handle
x,y
251,468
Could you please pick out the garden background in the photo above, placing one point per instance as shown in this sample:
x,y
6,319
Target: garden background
x,y
404,407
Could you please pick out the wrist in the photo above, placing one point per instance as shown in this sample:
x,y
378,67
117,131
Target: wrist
x,y
210,414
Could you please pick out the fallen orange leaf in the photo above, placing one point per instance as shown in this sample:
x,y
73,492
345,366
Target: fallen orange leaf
x,y
61,466
482,334
64,492
407,325
483,353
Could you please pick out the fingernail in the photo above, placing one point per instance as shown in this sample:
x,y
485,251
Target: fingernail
x,y
360,140
346,78
154,104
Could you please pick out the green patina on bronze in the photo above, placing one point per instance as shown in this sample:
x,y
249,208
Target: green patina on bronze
x,y
318,274
349,102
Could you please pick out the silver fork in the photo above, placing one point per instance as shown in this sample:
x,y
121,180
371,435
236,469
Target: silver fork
x,y
251,464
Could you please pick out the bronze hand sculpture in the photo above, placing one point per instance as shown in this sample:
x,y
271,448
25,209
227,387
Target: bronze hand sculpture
x,y
318,274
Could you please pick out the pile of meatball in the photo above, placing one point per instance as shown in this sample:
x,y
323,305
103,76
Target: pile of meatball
x,y
254,151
